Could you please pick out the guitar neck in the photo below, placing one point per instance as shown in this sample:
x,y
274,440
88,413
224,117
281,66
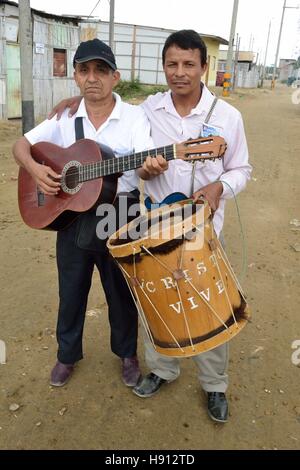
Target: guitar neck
x,y
116,165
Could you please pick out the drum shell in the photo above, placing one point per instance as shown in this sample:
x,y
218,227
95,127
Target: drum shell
x,y
188,295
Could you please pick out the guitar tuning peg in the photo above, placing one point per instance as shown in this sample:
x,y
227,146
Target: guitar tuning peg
x,y
187,141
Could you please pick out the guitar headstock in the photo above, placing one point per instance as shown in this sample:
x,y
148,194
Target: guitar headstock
x,y
204,148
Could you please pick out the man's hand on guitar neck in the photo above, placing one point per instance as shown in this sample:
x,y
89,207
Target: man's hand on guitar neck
x,y
153,166
72,103
212,193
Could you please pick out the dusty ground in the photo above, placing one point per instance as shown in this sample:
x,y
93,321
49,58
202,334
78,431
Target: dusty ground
x,y
95,410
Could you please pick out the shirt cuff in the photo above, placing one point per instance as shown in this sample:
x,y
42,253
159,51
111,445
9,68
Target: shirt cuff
x,y
227,192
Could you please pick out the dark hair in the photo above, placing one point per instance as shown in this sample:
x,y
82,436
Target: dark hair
x,y
186,39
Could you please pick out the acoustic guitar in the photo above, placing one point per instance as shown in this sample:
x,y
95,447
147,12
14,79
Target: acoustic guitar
x,y
89,176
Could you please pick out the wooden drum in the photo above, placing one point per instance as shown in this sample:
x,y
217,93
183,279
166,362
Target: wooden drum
x,y
187,294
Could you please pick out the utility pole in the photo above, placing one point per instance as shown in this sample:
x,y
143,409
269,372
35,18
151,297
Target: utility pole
x,y
228,73
111,23
25,25
236,62
250,42
265,61
278,44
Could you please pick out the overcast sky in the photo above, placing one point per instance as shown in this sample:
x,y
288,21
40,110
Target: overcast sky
x,y
205,16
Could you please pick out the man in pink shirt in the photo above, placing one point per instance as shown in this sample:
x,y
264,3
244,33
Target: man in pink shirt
x,y
186,111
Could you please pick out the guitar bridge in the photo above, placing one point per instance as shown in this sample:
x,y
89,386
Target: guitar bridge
x,y
40,198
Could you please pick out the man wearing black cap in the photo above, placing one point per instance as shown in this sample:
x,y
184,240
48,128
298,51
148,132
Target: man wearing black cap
x,y
103,117
92,50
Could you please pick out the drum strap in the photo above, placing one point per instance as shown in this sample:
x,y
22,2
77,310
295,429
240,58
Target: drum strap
x,y
206,121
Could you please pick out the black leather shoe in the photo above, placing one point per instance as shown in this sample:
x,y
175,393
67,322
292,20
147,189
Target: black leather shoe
x,y
148,386
217,406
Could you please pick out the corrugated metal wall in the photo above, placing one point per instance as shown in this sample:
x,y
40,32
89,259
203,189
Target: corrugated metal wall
x,y
248,79
138,51
14,99
10,93
2,66
48,90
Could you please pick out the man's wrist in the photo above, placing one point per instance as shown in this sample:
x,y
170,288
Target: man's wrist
x,y
144,175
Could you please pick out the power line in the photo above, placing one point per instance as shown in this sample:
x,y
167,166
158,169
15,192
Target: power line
x,y
94,8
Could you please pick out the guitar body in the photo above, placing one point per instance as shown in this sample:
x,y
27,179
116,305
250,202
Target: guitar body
x,y
57,212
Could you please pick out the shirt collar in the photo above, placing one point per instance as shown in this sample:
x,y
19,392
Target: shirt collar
x,y
115,114
204,104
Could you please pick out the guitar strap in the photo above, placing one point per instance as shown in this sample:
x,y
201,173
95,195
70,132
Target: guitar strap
x,y
86,237
79,132
206,121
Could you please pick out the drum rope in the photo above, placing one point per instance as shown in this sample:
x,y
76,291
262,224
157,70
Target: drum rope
x,y
156,259
138,305
143,318
180,298
181,256
225,259
219,271
141,311
201,296
178,291
160,317
207,304
185,317
244,247
225,289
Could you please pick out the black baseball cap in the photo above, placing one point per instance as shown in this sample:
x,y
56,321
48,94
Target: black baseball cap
x,y
94,49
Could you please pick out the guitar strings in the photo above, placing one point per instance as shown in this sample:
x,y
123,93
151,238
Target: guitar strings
x,y
130,158
110,164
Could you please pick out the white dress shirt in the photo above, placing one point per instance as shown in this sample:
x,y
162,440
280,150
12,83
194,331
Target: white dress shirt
x,y
127,130
168,127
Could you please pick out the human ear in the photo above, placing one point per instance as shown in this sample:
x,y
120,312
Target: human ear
x,y
116,77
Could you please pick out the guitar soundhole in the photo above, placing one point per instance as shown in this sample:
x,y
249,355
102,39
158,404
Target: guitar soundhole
x,y
72,178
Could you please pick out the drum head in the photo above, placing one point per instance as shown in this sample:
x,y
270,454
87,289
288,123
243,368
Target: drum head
x,y
161,229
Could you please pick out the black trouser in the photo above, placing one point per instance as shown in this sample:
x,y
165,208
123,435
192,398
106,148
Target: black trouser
x,y
75,269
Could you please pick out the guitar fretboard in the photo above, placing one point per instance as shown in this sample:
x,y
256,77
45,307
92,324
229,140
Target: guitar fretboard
x,y
115,165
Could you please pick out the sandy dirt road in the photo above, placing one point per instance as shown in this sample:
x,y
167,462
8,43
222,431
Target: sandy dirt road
x,y
95,410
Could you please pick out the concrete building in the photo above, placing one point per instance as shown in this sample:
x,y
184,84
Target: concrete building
x,y
245,72
286,69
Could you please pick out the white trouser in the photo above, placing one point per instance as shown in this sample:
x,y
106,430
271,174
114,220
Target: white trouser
x,y
212,366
